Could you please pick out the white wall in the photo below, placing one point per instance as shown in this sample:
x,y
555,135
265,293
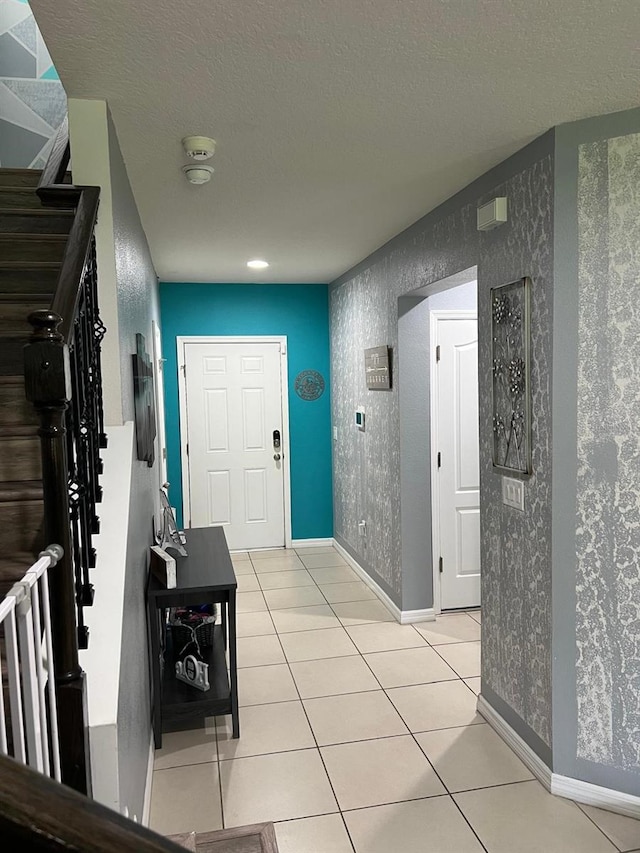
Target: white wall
x,y
117,663
89,136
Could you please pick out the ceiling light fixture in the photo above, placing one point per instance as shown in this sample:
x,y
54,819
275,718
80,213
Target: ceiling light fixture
x,y
257,264
199,147
198,174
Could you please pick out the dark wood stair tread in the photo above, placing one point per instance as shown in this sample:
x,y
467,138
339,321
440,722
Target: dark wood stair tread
x,y
13,569
35,211
25,297
29,265
20,177
18,431
20,490
33,238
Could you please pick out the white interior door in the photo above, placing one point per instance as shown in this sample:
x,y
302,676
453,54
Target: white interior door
x,y
233,408
457,466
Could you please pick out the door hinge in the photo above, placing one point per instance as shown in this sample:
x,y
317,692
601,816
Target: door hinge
x,y
438,353
183,368
440,565
439,459
187,448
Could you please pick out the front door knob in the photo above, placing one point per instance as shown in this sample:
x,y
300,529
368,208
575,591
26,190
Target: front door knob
x,y
276,456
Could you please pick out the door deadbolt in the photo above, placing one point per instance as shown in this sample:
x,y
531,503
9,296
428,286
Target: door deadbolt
x,y
276,439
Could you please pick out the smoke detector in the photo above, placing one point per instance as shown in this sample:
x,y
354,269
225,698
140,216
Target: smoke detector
x,y
199,147
198,174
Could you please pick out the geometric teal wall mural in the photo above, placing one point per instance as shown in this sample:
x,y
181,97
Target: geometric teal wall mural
x,y
33,103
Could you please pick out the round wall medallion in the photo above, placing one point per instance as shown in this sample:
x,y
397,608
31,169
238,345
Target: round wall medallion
x,y
309,385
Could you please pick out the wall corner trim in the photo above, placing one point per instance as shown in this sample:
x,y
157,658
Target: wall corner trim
x,y
404,617
146,809
560,786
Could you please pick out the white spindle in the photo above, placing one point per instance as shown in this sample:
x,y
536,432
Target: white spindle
x,y
40,672
15,698
51,680
28,655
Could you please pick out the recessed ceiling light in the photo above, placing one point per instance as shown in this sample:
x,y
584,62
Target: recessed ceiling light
x,y
257,264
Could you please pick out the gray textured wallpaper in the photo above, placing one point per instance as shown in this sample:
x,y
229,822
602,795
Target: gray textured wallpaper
x,y
516,546
516,561
608,504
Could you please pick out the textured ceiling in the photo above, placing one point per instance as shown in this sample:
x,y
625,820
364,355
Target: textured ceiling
x,y
339,122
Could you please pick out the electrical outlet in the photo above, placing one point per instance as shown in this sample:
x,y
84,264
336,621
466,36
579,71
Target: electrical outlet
x,y
513,493
362,527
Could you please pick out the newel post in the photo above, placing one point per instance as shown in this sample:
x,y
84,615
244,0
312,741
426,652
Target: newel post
x,y
48,387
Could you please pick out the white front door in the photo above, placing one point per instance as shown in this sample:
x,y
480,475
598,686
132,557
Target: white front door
x,y
457,469
234,419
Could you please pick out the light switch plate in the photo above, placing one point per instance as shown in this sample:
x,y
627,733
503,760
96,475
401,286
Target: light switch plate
x,y
513,493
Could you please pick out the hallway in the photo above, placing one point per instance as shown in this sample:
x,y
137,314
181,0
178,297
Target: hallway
x,y
360,734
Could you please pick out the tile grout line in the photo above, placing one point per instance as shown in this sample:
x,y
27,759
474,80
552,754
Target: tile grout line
x,y
313,734
359,653
411,734
610,840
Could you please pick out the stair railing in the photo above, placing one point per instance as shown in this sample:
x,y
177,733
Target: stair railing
x,y
63,380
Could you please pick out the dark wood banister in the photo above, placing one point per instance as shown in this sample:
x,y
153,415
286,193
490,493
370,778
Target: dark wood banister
x,y
49,385
38,814
53,192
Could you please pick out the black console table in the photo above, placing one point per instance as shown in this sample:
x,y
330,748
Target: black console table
x,y
205,576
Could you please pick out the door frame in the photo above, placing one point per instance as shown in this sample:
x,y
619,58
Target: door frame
x,y
158,375
181,342
434,317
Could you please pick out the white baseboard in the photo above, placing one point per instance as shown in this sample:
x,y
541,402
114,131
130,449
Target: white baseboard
x,y
595,795
561,786
524,752
311,543
146,809
404,617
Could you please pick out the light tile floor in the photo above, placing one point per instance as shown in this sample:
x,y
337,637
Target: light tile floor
x,y
359,734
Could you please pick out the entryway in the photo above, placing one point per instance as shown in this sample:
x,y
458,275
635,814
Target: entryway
x,y
455,459
439,452
234,438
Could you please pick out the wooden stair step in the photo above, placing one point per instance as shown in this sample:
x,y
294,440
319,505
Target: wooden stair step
x,y
16,307
20,198
12,354
19,277
20,177
21,522
15,409
36,221
20,490
20,457
13,569
26,248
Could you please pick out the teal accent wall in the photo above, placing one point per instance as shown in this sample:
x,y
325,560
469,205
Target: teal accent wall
x,y
299,311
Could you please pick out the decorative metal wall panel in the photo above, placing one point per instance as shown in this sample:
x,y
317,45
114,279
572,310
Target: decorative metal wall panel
x,y
510,310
